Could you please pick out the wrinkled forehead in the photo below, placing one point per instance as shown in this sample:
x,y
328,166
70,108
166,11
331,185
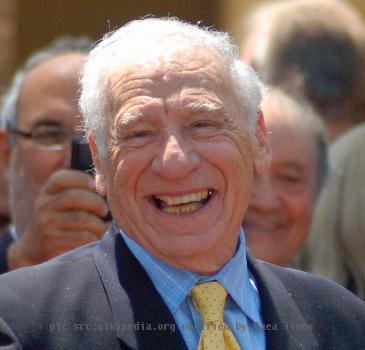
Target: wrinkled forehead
x,y
180,56
200,66
285,114
201,70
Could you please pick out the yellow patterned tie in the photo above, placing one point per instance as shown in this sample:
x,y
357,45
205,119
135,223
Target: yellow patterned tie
x,y
209,299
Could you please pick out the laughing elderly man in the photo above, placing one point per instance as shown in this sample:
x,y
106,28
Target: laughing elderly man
x,y
177,135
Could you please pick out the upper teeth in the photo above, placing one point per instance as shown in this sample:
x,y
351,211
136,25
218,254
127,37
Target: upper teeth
x,y
186,198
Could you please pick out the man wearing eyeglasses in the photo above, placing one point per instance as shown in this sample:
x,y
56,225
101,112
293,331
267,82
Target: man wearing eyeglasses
x,y
54,209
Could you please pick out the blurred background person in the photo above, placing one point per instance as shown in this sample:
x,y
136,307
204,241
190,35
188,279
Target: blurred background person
x,y
4,197
7,39
278,218
336,245
53,208
316,49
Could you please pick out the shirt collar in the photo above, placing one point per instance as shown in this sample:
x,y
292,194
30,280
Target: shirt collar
x,y
174,284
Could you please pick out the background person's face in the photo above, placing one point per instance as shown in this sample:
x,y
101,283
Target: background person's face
x,y
279,214
180,164
49,96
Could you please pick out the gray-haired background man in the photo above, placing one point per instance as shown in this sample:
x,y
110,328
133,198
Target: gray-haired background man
x,y
279,215
177,135
53,209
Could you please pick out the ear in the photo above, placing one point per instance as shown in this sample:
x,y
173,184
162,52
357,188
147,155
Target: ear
x,y
98,164
261,147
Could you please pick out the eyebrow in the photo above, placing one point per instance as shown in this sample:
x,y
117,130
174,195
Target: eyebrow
x,y
291,165
47,122
191,107
78,130
131,118
204,107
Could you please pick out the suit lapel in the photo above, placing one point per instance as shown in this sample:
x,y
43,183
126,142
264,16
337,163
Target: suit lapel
x,y
139,312
285,326
106,263
5,240
127,284
150,311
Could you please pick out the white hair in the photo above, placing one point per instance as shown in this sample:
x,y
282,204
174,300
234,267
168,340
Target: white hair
x,y
148,41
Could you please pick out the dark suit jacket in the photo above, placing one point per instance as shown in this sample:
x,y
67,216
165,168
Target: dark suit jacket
x,y
5,241
99,297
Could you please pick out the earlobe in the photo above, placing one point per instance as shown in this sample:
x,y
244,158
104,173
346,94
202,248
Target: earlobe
x,y
99,177
100,184
262,150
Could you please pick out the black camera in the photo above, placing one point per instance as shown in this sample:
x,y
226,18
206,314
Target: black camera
x,y
81,159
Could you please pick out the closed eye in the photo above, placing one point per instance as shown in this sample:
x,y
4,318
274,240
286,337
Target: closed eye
x,y
137,138
140,134
202,124
290,178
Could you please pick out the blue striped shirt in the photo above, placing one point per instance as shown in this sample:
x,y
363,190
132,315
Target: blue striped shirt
x,y
242,309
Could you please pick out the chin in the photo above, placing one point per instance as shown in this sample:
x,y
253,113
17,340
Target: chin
x,y
199,257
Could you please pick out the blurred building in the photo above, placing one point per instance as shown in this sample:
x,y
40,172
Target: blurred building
x,y
26,25
8,39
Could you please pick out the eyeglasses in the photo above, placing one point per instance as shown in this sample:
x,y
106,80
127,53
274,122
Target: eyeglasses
x,y
47,137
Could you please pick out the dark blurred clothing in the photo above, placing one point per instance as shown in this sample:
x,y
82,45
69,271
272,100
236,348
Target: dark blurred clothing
x,y
4,221
5,241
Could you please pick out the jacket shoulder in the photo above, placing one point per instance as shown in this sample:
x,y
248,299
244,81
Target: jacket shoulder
x,y
335,316
307,286
59,301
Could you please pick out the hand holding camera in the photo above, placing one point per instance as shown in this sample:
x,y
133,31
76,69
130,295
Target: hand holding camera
x,y
67,214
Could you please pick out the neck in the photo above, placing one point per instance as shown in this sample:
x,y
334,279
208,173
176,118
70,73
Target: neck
x,y
203,264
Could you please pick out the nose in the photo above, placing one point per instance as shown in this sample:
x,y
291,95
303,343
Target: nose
x,y
265,197
176,159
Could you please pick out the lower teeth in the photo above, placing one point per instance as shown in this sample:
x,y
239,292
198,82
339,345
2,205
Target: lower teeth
x,y
183,209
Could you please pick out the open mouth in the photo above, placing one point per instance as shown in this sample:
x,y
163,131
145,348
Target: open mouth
x,y
185,204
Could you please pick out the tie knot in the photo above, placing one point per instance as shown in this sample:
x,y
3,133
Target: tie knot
x,y
209,299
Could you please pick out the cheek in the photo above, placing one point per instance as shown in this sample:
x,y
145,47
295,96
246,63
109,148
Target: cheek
x,y
243,163
234,166
126,172
36,166
244,146
234,163
300,209
127,180
233,146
